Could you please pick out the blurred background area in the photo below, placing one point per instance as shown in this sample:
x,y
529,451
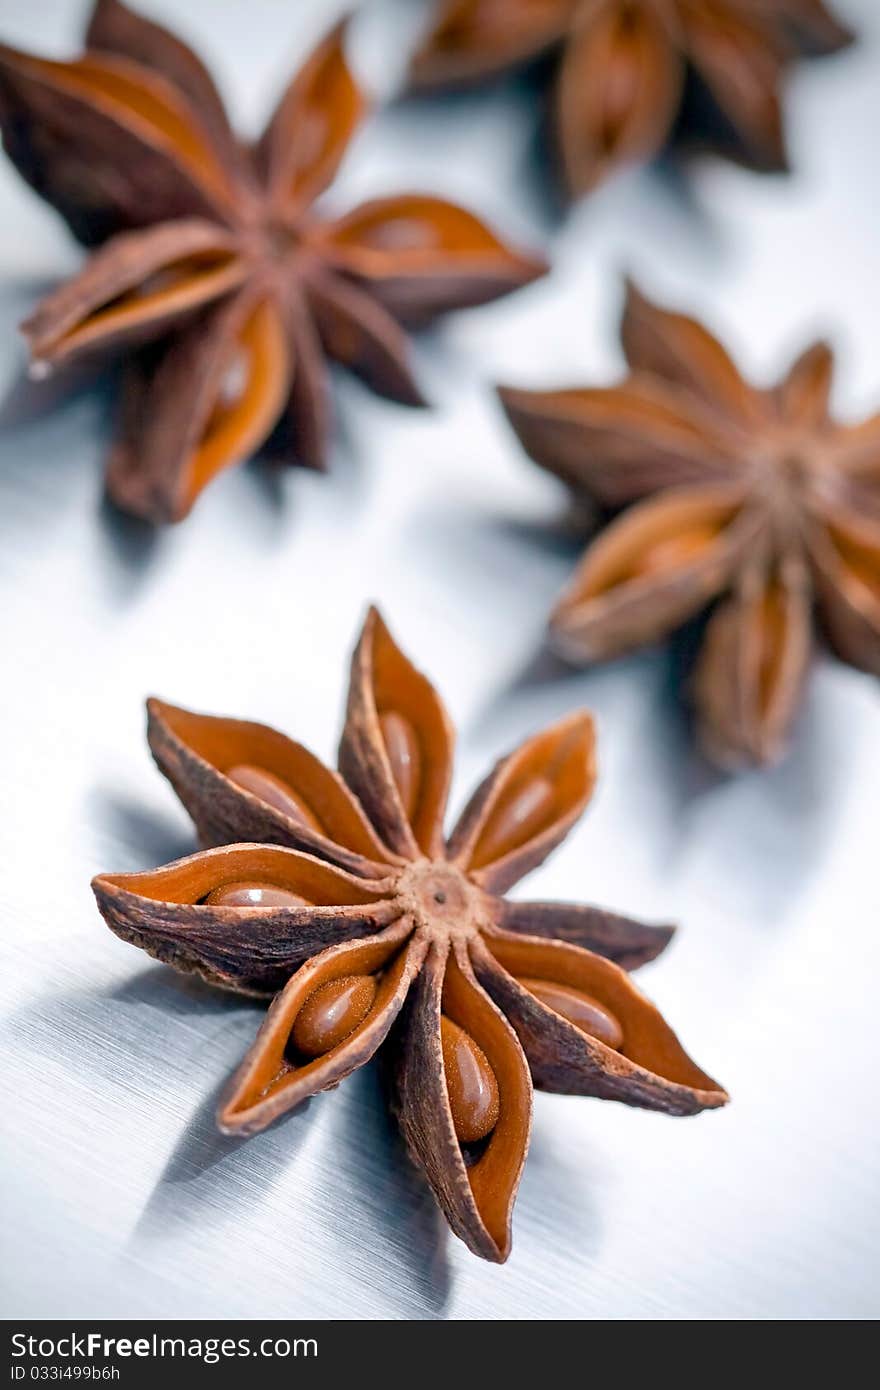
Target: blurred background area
x,y
120,1199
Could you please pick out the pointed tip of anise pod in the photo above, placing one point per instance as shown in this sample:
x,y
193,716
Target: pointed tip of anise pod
x,y
373,625
519,405
333,39
563,636
534,265
509,396
651,946
633,294
373,616
742,750
338,31
645,1065
396,749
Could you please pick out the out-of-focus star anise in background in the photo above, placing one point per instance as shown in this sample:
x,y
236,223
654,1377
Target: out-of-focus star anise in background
x,y
756,498
213,253
626,64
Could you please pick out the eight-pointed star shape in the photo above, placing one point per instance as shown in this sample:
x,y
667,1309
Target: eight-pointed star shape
x,y
405,935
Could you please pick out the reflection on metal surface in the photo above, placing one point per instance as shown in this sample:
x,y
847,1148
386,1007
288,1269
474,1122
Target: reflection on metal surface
x,y
119,1197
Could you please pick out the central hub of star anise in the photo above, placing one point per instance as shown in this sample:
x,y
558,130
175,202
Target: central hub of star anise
x,y
786,467
269,241
438,895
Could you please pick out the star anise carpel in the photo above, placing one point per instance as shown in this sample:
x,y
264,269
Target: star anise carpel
x,y
756,501
624,66
342,893
214,254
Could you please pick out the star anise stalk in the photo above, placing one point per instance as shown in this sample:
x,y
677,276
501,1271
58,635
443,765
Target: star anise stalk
x,y
215,255
756,501
624,65
376,929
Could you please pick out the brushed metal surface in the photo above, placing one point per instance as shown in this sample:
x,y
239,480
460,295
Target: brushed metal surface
x,y
119,1197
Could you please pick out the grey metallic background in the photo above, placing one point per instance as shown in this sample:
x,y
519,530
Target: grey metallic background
x,y
119,1198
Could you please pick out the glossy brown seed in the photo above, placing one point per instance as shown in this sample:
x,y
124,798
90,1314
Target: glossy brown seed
x,y
517,819
333,1012
580,1009
250,893
404,755
275,792
674,552
470,1083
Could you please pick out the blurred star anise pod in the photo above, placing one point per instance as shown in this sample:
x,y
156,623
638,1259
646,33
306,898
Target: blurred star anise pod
x,y
405,934
217,256
756,498
624,66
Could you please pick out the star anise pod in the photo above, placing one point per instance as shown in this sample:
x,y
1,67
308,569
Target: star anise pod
x,y
756,498
405,934
624,64
217,253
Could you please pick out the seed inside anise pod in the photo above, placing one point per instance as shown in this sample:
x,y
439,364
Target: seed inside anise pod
x,y
579,1008
404,755
333,1012
470,1082
251,894
274,792
522,814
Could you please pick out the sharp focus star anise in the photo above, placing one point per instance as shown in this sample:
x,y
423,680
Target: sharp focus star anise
x,y
757,498
216,251
400,926
624,64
